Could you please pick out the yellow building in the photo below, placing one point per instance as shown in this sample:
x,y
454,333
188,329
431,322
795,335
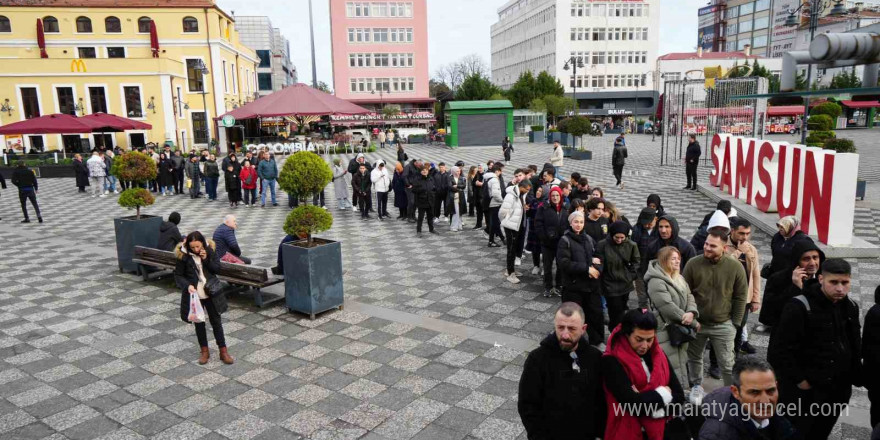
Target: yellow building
x,y
99,57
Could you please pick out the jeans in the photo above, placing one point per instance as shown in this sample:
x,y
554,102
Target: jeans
x,y
343,203
721,336
511,248
618,173
549,254
494,224
411,204
196,186
441,198
110,183
168,190
364,205
216,325
96,184
382,202
422,212
250,196
479,210
179,178
211,187
556,170
24,196
271,185
318,197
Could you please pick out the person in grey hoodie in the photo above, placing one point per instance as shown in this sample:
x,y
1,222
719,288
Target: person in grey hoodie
x,y
496,198
672,302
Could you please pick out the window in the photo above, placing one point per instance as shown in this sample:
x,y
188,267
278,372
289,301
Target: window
x,y
137,140
87,52
194,76
732,12
115,52
730,30
144,25
234,80
190,24
762,5
66,104
760,41
380,35
265,58
30,102
265,80
36,143
5,25
112,25
599,10
200,127
50,24
132,96
741,44
98,99
762,23
746,8
225,78
84,25
380,59
745,26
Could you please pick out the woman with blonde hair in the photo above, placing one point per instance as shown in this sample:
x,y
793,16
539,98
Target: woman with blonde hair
x,y
673,304
613,214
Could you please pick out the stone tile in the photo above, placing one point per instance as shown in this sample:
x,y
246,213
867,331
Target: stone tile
x,y
467,379
359,367
135,410
257,377
481,402
367,416
193,405
495,429
205,381
15,420
244,428
363,389
91,391
416,384
70,418
183,431
408,362
251,400
32,396
307,395
306,422
57,373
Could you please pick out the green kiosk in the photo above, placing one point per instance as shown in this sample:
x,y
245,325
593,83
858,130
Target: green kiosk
x,y
478,123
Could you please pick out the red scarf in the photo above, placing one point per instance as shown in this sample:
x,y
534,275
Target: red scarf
x,y
623,426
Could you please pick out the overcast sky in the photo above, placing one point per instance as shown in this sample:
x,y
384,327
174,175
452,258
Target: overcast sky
x,y
455,28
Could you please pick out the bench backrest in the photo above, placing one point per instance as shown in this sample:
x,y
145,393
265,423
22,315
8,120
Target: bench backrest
x,y
252,274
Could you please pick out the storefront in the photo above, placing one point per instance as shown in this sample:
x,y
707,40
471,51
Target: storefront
x,y
859,114
478,123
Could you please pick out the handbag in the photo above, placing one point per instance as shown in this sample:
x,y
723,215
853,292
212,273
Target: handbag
x,y
678,334
213,286
765,271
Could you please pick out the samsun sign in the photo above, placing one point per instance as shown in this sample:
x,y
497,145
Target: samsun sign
x,y
815,184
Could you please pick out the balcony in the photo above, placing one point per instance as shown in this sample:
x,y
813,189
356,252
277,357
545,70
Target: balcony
x,y
84,66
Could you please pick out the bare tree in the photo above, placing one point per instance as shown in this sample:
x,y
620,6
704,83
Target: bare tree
x,y
472,64
450,75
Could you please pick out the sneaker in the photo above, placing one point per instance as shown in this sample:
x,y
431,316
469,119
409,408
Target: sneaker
x,y
103,195
761,328
354,209
548,293
436,220
715,371
697,394
622,184
116,191
517,262
40,219
556,292
536,270
443,218
747,348
493,244
512,279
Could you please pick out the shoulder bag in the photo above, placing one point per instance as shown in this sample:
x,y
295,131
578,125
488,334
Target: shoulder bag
x,y
678,334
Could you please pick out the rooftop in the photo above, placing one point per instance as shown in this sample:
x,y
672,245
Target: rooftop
x,y
478,105
677,56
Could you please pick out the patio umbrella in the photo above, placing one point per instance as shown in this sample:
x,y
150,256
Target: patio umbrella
x,y
41,39
297,100
49,124
103,122
154,39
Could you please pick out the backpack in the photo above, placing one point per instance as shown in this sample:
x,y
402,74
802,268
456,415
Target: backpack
x,y
486,194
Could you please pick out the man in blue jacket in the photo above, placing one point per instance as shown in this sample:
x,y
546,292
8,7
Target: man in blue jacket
x,y
268,171
226,243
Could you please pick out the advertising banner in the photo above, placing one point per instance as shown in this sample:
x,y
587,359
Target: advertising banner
x,y
783,37
707,38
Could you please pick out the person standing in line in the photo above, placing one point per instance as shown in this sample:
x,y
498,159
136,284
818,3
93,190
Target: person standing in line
x,y
26,181
166,175
551,221
110,179
742,250
492,180
871,356
476,183
533,244
193,173
457,188
340,185
719,285
268,171
506,148
382,184
97,173
196,269
390,137
512,214
248,178
398,184
667,235
441,193
816,350
179,175
691,160
82,173
560,391
233,182
412,173
557,159
381,138
673,304
212,177
596,225
423,196
620,258
580,275
353,168
361,184
402,157
618,160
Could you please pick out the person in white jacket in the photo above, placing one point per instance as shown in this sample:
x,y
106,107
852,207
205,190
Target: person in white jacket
x,y
512,213
496,198
382,184
341,185
97,173
557,158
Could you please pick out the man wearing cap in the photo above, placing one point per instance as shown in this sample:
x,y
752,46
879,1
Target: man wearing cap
x,y
643,233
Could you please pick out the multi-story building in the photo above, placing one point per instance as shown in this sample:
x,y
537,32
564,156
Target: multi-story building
x,y
275,70
380,58
731,25
613,43
98,57
675,66
856,21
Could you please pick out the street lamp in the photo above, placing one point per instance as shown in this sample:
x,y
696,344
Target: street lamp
x,y
574,62
816,8
381,103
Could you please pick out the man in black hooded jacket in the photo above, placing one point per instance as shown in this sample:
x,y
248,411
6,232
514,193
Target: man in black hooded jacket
x,y
667,235
169,235
411,173
803,268
691,159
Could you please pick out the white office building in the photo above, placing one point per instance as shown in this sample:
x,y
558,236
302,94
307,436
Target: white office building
x,y
616,42
275,70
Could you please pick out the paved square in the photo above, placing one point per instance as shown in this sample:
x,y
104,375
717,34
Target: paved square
x,y
430,344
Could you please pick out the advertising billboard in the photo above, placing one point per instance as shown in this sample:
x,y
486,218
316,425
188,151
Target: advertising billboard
x,y
706,38
783,37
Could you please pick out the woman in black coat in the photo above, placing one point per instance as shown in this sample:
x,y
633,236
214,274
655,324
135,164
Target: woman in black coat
x,y
166,175
402,157
233,182
398,185
82,173
197,268
580,275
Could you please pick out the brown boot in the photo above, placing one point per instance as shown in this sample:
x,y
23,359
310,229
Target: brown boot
x,y
203,359
225,357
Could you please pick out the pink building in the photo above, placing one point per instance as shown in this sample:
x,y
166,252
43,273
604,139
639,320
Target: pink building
x,y
380,57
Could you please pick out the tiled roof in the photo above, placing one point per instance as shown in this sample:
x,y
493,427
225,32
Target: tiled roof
x,y
111,3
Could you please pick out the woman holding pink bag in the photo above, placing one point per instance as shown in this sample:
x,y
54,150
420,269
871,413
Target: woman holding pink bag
x,y
201,293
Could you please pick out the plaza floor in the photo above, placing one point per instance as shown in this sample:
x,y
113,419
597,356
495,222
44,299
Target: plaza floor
x,y
430,344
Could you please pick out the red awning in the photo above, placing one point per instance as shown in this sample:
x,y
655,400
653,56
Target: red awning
x,y
102,122
41,39
154,39
785,110
49,124
719,111
861,104
297,100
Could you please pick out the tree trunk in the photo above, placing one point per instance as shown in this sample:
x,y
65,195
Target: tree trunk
x,y
138,211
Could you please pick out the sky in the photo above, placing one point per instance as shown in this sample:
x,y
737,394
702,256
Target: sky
x,y
455,28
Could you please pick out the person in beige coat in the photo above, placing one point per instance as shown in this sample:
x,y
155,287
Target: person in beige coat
x,y
557,159
671,302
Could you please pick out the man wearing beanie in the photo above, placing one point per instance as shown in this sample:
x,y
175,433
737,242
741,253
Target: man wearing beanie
x,y
169,235
620,258
643,234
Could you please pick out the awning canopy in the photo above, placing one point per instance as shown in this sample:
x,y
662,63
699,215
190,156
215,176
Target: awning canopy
x,y
49,124
103,122
861,104
719,111
296,100
785,110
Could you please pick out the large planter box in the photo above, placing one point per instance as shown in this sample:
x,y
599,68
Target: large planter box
x,y
554,136
43,172
131,232
582,155
861,189
566,152
313,276
536,136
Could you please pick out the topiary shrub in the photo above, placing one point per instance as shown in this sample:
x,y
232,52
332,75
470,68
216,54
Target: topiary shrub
x,y
537,127
819,137
831,109
307,220
134,198
576,126
138,168
840,145
820,123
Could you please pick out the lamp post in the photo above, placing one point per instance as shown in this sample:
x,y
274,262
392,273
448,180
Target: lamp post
x,y
574,62
815,8
381,104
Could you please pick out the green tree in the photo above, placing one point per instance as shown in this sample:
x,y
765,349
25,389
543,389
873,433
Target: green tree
x,y
576,126
557,106
139,168
322,86
522,92
390,111
497,97
846,80
546,85
476,87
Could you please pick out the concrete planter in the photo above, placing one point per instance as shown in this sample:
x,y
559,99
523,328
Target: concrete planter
x,y
554,136
582,155
313,276
566,152
861,189
536,136
131,232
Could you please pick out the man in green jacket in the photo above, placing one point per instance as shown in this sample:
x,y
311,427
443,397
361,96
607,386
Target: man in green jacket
x,y
720,288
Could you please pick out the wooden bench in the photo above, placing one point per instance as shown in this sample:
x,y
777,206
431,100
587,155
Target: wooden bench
x,y
244,276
